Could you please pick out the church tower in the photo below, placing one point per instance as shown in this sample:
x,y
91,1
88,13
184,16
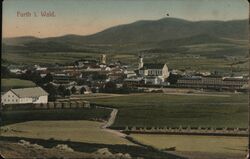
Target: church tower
x,y
103,59
140,62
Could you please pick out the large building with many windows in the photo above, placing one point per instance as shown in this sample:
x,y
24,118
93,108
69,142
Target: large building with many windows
x,y
25,96
213,82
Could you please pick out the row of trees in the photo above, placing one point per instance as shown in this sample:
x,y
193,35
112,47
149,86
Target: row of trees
x,y
5,73
36,78
61,91
54,91
44,82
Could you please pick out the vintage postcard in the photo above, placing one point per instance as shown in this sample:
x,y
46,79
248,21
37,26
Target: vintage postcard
x,y
122,79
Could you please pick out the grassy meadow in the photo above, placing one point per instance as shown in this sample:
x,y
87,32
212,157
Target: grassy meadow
x,y
17,116
8,83
153,109
45,58
78,131
190,143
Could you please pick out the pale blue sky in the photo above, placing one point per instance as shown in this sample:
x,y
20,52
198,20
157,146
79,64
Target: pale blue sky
x,y
89,16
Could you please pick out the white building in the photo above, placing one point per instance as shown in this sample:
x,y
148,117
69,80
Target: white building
x,y
39,68
157,70
153,80
129,73
24,96
153,69
16,71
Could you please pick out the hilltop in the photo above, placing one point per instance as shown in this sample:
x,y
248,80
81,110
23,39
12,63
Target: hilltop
x,y
140,35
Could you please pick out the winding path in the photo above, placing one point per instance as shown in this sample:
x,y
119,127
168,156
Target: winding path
x,y
111,121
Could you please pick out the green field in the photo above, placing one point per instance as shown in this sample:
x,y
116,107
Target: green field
x,y
8,83
175,110
189,143
9,117
46,58
174,61
78,131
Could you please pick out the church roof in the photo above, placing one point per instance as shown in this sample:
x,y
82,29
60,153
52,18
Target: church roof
x,y
152,66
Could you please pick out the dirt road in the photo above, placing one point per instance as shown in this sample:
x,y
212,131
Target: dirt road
x,y
110,122
112,118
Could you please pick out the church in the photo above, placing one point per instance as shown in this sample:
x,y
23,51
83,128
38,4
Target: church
x,y
153,71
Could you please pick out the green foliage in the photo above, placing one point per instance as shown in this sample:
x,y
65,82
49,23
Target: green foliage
x,y
5,72
48,78
73,90
67,92
172,79
62,90
51,89
33,76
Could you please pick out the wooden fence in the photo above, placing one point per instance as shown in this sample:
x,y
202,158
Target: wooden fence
x,y
188,131
49,105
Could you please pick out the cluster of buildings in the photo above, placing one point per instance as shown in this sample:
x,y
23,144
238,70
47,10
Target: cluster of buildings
x,y
95,74
89,75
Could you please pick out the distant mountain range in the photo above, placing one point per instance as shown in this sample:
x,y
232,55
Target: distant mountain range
x,y
163,34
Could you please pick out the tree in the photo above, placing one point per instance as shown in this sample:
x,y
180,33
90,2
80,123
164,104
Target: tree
x,y
33,76
5,72
172,79
67,92
26,75
110,87
82,90
49,88
61,90
48,78
73,90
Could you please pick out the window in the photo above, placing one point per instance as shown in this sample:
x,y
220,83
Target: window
x,y
16,100
34,99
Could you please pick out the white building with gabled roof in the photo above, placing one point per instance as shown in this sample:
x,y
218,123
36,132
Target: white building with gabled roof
x,y
153,69
160,70
25,96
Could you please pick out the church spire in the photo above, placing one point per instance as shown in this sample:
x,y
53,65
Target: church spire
x,y
140,65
